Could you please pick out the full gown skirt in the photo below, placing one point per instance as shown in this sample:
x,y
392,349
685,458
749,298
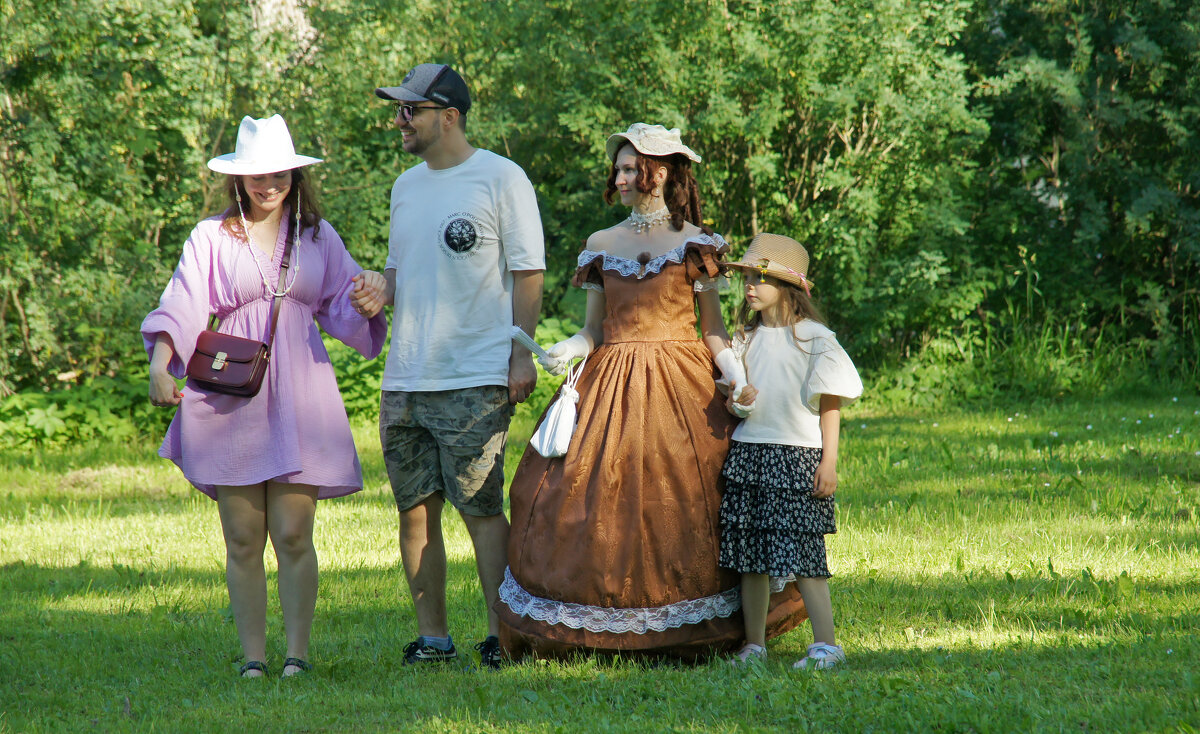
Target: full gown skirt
x,y
614,546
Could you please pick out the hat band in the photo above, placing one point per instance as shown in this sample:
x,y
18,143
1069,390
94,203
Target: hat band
x,y
764,266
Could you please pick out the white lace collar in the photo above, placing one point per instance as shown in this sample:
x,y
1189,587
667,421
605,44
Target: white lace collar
x,y
628,267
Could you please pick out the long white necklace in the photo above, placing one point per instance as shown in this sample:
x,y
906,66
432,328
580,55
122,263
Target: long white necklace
x,y
295,264
644,222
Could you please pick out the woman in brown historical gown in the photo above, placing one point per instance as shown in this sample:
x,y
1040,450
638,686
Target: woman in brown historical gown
x,y
614,546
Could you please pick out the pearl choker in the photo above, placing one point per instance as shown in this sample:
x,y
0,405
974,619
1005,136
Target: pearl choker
x,y
644,222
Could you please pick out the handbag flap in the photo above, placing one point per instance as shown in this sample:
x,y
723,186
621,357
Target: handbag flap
x,y
236,349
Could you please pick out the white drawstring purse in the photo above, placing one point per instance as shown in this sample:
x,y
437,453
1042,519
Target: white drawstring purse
x,y
553,436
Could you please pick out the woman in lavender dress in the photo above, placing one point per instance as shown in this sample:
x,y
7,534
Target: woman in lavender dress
x,y
266,459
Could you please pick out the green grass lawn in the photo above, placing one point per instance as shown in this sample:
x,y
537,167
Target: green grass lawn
x,y
1001,569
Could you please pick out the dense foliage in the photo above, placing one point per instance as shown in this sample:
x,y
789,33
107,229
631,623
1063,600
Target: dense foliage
x,y
962,170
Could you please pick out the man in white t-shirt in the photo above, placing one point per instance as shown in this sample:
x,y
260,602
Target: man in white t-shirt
x,y
465,262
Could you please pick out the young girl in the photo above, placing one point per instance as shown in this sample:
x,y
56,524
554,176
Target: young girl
x,y
781,471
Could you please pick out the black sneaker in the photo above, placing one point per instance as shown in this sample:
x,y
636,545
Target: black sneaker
x,y
489,652
418,652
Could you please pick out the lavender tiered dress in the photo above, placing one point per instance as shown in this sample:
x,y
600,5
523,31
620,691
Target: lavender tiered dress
x,y
295,429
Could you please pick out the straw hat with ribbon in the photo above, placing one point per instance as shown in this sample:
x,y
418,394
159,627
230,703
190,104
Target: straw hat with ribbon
x,y
778,257
263,146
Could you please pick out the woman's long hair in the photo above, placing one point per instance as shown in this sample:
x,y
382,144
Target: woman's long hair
x,y
680,191
310,210
794,306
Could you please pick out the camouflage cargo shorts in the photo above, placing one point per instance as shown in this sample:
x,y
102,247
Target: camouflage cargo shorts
x,y
448,441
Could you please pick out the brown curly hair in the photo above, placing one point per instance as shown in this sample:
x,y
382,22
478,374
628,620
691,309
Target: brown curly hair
x,y
310,210
680,191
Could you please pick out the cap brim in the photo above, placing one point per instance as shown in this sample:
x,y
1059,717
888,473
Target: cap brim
x,y
399,94
227,164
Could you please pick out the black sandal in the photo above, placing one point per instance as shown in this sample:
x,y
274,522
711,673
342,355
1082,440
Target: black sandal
x,y
253,665
303,665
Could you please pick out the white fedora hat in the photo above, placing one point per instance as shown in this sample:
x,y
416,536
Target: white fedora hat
x,y
263,146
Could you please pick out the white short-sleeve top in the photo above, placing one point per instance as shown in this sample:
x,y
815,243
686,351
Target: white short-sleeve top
x,y
457,234
792,367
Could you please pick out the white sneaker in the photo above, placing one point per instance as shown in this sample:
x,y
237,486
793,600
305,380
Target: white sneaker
x,y
748,654
821,656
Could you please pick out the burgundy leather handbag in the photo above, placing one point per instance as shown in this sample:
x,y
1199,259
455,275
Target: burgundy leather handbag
x,y
234,365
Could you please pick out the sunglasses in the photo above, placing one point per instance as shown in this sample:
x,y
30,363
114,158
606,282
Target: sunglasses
x,y
406,111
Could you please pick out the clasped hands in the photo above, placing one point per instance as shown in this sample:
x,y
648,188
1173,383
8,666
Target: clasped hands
x,y
370,293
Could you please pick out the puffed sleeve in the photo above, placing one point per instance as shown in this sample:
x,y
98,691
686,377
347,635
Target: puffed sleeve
x,y
589,271
334,312
702,257
186,303
830,371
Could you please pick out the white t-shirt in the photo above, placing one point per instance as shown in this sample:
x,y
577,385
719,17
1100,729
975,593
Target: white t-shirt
x,y
456,236
791,379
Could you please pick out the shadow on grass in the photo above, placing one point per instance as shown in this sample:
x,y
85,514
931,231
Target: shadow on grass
x,y
147,665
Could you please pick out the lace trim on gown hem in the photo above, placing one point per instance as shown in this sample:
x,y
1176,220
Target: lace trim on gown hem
x,y
628,268
638,620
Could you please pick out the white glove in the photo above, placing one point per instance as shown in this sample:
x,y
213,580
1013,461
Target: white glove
x,y
732,370
561,354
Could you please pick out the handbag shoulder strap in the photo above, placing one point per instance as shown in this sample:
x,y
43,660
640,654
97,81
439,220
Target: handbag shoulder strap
x,y
277,302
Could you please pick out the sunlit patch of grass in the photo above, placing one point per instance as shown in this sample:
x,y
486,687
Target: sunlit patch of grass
x,y
1006,568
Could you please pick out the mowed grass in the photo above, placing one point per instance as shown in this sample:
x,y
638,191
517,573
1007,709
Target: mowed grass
x,y
997,569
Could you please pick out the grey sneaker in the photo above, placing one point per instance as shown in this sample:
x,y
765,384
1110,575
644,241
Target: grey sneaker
x,y
489,652
419,652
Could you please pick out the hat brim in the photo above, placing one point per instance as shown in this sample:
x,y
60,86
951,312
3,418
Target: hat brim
x,y
228,164
399,94
617,140
614,144
770,271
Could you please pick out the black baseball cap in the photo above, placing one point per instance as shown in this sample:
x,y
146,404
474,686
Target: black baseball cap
x,y
431,83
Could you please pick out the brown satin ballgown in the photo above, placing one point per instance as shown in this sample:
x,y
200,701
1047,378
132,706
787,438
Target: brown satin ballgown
x,y
614,546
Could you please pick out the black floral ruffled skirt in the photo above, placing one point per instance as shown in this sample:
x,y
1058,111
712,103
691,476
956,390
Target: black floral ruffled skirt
x,y
770,521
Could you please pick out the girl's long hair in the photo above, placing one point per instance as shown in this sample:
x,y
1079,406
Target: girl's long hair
x,y
310,209
680,191
794,306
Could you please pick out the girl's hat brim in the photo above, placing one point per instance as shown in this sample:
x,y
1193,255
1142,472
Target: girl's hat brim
x,y
773,270
776,256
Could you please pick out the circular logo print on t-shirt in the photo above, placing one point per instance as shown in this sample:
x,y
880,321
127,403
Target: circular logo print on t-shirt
x,y
460,235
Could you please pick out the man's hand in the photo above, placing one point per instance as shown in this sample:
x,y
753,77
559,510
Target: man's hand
x,y
522,377
369,294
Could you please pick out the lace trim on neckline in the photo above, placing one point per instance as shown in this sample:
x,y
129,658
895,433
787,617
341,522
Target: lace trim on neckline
x,y
636,620
632,268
